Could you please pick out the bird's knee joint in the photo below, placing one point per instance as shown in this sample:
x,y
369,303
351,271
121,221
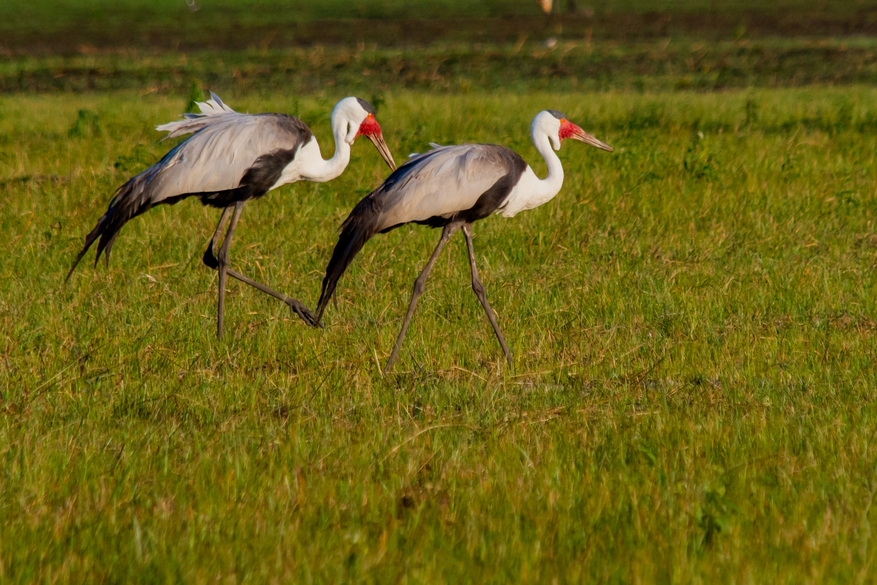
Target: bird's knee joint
x,y
419,285
210,260
478,288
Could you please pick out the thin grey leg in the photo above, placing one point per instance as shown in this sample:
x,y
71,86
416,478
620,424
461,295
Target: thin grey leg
x,y
295,306
210,254
213,262
478,287
419,286
223,265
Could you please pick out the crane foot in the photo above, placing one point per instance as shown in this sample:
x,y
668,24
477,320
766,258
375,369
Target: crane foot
x,y
303,312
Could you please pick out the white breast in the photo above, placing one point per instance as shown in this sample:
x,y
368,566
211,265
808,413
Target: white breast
x,y
527,194
307,157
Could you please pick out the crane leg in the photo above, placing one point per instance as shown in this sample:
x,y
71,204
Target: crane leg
x,y
223,264
480,292
294,305
419,286
210,254
211,260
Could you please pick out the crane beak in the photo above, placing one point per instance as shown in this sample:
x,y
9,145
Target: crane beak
x,y
378,140
582,136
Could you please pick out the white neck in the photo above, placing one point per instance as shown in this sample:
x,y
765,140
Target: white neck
x,y
550,185
531,191
326,170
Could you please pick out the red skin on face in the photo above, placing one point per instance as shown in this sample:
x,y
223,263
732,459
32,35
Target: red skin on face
x,y
568,129
369,127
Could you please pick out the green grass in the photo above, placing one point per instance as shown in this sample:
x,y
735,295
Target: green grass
x,y
692,318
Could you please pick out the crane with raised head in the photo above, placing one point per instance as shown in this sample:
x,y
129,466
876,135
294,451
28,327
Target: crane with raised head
x,y
452,187
230,159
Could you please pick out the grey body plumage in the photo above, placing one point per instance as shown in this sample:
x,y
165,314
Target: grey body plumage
x,y
448,183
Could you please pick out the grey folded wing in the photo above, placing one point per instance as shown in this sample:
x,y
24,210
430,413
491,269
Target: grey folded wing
x,y
218,155
445,181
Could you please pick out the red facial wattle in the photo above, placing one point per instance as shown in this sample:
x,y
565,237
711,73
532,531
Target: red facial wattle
x,y
568,130
369,127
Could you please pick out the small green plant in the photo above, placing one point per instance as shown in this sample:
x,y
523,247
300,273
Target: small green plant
x,y
86,125
697,162
751,111
196,94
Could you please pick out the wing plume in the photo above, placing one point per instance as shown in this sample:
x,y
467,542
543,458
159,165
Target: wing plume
x,y
212,111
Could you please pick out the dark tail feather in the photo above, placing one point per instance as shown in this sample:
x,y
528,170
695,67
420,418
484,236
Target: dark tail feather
x,y
125,205
357,229
89,240
105,245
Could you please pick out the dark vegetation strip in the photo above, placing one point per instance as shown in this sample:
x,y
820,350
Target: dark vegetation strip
x,y
570,66
229,30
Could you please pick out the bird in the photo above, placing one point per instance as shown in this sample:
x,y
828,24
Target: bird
x,y
230,159
451,187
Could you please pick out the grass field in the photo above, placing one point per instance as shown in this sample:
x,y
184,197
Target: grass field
x,y
693,318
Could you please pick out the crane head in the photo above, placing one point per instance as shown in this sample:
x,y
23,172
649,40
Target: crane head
x,y
570,130
372,130
356,117
559,128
